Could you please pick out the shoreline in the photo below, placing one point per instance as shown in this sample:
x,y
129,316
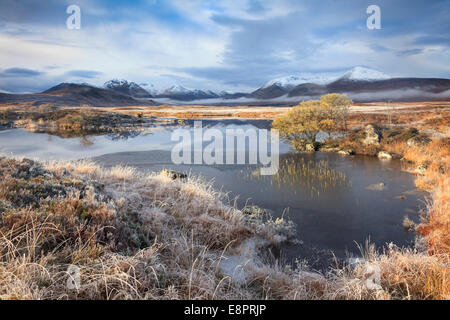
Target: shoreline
x,y
137,205
110,199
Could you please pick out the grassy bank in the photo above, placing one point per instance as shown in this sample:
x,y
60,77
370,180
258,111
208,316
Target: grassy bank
x,y
428,157
138,236
68,122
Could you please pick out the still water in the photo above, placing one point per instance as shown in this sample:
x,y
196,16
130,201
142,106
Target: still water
x,y
335,201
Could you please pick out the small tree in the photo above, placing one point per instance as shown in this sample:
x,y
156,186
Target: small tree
x,y
337,107
301,125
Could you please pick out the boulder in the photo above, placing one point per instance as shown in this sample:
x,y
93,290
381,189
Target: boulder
x,y
173,174
310,147
346,152
418,141
384,155
372,135
377,186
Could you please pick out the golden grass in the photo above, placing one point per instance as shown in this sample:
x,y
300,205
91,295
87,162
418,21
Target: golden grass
x,y
434,160
137,236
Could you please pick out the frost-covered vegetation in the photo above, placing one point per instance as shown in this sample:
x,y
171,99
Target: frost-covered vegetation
x,y
156,236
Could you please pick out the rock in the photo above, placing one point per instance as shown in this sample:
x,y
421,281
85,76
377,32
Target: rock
x,y
418,141
310,147
372,135
377,186
346,152
384,155
173,174
408,224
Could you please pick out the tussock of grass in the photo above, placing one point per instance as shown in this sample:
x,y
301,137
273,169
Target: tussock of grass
x,y
434,160
137,236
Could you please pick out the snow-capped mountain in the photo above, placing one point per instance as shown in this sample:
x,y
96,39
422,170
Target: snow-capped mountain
x,y
180,93
176,89
292,80
129,88
364,74
150,88
355,74
313,84
361,82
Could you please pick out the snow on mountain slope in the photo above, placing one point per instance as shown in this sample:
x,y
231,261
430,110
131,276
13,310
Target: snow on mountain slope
x,y
115,83
128,88
364,74
177,89
355,74
292,80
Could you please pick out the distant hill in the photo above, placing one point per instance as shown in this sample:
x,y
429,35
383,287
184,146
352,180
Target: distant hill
x,y
270,92
64,85
71,94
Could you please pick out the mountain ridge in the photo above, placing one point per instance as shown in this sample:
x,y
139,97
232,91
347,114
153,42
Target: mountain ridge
x,y
73,94
129,88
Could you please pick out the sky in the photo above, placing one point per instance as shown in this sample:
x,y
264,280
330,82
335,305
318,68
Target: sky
x,y
234,45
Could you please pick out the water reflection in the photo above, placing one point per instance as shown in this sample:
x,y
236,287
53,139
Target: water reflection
x,y
306,176
86,141
123,135
327,195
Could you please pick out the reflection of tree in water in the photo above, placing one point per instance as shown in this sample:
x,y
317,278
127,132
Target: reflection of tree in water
x,y
307,176
123,135
87,141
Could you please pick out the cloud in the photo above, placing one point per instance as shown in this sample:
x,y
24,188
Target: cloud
x,y
256,7
20,72
432,40
87,74
221,44
409,52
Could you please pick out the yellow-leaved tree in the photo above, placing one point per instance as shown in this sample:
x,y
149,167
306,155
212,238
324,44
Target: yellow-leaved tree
x,y
301,125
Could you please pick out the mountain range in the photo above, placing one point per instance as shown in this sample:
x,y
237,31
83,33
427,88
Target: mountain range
x,y
360,84
128,88
176,92
363,83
